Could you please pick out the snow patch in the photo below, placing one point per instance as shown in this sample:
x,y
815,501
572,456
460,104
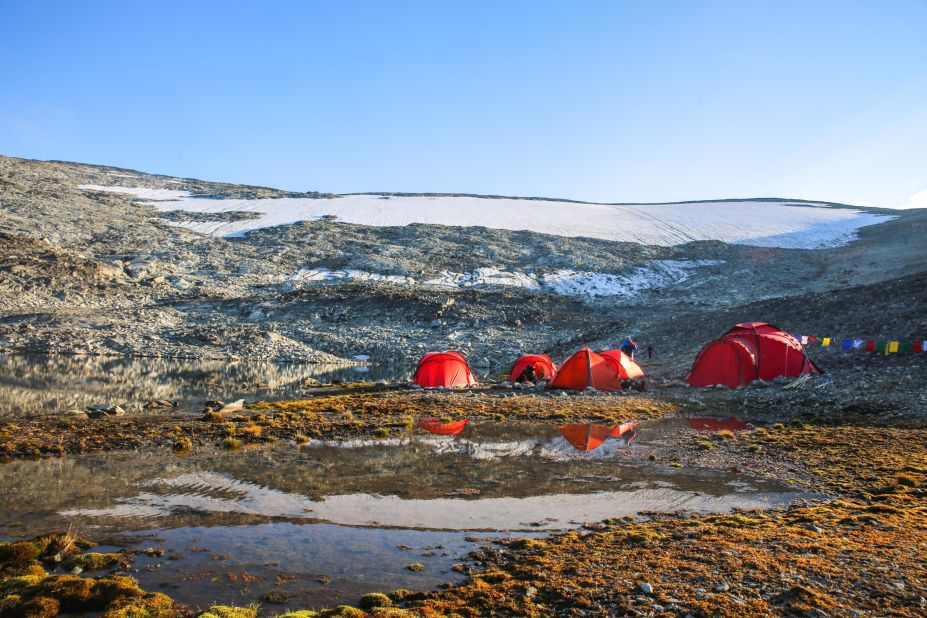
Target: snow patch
x,y
155,195
324,274
484,276
758,223
654,274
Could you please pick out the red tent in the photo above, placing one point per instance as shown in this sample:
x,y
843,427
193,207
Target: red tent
x,y
443,370
750,351
586,437
625,366
544,368
586,368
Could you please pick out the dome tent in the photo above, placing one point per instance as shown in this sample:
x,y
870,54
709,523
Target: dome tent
x,y
750,351
443,370
544,368
586,369
625,366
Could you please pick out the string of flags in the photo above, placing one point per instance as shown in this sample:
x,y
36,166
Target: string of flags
x,y
877,346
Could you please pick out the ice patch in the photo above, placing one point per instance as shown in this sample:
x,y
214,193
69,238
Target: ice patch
x,y
654,274
763,224
483,276
324,274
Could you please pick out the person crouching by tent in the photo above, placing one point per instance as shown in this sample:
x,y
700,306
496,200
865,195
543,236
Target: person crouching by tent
x,y
629,347
527,374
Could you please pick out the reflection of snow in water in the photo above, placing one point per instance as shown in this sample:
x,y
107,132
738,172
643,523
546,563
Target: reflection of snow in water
x,y
221,493
553,449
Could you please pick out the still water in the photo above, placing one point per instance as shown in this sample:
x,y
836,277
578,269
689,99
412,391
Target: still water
x,y
326,522
42,384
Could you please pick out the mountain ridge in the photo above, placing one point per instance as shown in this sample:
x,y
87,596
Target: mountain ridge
x,y
99,272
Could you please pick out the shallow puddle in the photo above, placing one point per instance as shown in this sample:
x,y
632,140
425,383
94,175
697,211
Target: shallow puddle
x,y
326,522
33,384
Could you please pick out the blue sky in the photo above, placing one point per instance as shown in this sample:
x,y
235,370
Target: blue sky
x,y
603,101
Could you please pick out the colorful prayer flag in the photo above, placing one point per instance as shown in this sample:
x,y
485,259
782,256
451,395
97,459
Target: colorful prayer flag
x,y
857,343
804,340
881,347
917,346
893,346
846,345
826,342
812,338
905,347
870,346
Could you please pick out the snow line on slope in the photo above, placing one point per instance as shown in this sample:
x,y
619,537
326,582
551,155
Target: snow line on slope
x,y
652,275
763,224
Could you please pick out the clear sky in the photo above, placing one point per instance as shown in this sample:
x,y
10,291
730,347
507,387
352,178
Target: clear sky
x,y
602,101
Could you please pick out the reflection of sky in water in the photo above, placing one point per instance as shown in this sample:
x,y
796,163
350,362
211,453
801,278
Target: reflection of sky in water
x,y
315,565
490,477
40,384
339,510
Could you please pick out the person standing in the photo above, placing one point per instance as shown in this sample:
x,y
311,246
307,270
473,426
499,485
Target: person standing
x,y
649,351
629,347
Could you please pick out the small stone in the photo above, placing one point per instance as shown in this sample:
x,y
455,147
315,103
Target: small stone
x,y
99,410
722,587
646,588
276,597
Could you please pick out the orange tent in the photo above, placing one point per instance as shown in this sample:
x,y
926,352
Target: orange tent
x,y
443,370
586,437
434,425
625,366
586,368
544,368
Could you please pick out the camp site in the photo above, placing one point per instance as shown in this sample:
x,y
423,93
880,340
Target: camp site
x,y
463,309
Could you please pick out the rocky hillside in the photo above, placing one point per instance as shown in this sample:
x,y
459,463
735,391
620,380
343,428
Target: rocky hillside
x,y
106,261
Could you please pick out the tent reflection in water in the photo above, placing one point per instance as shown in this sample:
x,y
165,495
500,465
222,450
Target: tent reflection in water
x,y
436,426
586,369
750,351
586,437
443,370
